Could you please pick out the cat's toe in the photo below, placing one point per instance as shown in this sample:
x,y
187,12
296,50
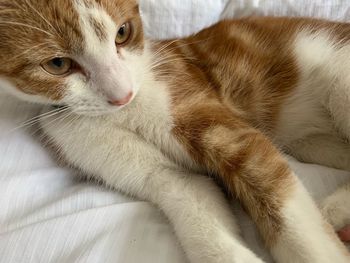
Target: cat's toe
x,y
336,209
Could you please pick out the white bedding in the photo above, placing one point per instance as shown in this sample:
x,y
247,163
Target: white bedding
x,y
48,215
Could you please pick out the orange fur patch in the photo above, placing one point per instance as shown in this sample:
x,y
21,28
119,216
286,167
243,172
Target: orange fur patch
x,y
240,73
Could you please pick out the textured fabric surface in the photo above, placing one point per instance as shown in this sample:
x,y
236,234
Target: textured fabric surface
x,y
173,18
48,215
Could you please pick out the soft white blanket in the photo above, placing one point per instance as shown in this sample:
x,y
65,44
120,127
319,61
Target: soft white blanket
x,y
48,215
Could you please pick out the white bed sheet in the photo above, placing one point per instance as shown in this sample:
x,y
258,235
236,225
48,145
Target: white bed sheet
x,y
174,18
48,215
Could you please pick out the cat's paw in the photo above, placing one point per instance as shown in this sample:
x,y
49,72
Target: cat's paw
x,y
336,208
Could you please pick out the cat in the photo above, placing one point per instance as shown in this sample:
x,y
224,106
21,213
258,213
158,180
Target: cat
x,y
159,119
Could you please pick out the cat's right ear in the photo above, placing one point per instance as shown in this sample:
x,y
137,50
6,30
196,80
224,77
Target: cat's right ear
x,y
137,5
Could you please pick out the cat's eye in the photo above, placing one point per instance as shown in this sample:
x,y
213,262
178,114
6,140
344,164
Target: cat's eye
x,y
124,34
58,66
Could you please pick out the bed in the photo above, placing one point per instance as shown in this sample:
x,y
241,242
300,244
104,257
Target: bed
x,y
49,215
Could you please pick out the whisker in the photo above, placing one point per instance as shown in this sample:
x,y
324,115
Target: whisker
x,y
65,127
68,125
168,73
28,50
60,118
36,119
47,113
195,42
162,48
65,114
180,46
41,16
167,62
164,56
25,25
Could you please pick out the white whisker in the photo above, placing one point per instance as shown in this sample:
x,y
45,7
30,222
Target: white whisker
x,y
41,16
25,25
36,119
162,48
59,118
29,50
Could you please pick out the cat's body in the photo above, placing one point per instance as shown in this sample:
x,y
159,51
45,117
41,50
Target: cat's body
x,y
212,103
151,132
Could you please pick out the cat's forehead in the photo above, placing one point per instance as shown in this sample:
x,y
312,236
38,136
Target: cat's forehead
x,y
65,23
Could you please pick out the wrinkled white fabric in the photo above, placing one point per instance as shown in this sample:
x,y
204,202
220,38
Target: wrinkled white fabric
x,y
48,215
174,18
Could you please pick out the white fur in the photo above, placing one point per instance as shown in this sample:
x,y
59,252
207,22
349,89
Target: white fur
x,y
312,126
303,113
336,208
315,119
305,238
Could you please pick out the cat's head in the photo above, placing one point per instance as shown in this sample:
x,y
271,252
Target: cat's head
x,y
86,54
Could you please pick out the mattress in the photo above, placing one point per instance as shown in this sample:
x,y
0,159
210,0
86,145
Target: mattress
x,y
47,214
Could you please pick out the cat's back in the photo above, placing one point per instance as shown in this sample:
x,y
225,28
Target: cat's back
x,y
254,64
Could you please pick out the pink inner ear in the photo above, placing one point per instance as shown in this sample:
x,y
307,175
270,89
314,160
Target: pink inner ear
x,y
344,234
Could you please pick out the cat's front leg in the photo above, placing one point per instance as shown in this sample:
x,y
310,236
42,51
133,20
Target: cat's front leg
x,y
194,204
201,216
254,171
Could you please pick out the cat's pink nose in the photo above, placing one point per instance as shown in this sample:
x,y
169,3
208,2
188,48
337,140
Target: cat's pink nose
x,y
121,102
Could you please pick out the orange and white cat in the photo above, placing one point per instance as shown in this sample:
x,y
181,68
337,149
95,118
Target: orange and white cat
x,y
151,119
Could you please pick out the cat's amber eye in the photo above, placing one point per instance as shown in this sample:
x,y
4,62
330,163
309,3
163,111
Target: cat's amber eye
x,y
58,66
124,34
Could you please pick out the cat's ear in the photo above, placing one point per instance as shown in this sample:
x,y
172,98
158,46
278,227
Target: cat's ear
x,y
137,4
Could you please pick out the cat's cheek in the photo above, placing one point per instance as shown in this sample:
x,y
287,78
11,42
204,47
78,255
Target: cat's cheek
x,y
11,88
83,99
